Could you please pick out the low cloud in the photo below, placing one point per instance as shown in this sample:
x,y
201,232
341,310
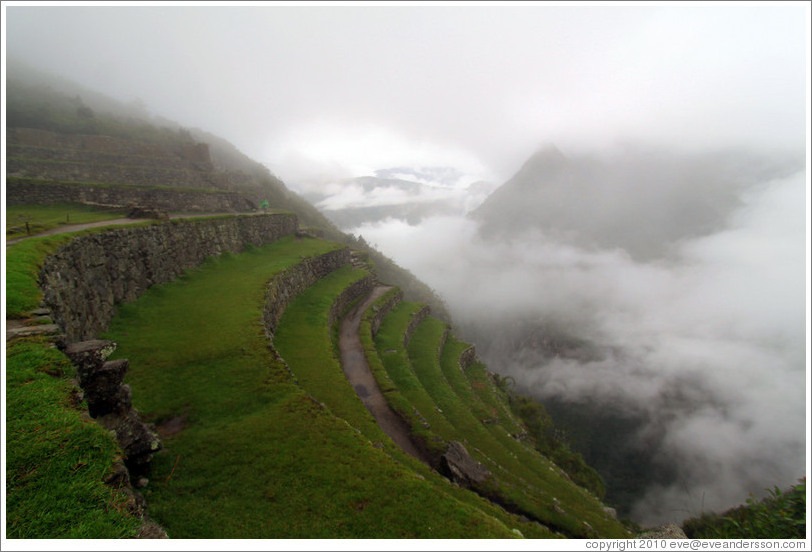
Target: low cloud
x,y
705,347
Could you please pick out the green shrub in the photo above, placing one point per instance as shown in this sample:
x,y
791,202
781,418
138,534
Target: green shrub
x,y
780,515
552,443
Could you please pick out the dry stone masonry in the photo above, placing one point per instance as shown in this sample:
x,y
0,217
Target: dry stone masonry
x,y
110,402
417,318
24,191
47,167
291,282
85,279
383,310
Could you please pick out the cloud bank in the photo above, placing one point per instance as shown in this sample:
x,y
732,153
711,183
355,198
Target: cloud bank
x,y
705,348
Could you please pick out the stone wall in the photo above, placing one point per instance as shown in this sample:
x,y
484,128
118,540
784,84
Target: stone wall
x,y
84,280
351,293
417,318
196,153
383,310
46,155
20,152
27,192
467,358
126,175
284,288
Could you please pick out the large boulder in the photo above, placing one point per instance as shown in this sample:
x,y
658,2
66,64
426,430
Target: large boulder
x,y
460,467
670,531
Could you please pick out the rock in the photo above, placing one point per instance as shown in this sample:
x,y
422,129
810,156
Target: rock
x,y
87,355
611,512
135,439
141,212
460,467
103,389
119,476
670,531
150,530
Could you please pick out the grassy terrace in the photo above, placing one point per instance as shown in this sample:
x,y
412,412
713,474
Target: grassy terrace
x,y
57,458
304,340
45,217
257,457
428,376
395,360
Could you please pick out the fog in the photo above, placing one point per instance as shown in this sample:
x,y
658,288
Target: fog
x,y
674,296
315,90
704,348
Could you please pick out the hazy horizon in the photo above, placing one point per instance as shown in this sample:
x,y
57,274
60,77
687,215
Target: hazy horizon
x,y
710,323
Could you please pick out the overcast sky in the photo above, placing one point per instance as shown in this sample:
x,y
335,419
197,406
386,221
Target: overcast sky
x,y
479,87
349,90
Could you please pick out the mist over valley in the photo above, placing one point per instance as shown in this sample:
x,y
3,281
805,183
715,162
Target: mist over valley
x,y
680,346
612,203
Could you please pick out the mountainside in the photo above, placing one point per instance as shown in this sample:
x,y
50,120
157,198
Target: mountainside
x,y
78,145
615,288
271,438
642,202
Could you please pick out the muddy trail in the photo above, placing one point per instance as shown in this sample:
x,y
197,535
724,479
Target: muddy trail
x,y
360,377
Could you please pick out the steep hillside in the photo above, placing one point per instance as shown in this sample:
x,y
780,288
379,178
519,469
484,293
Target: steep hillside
x,y
636,200
70,144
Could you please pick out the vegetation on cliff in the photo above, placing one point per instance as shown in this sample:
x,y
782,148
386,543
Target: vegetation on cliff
x,y
780,515
57,458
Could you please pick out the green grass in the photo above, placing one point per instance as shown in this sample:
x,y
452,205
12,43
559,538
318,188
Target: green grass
x,y
419,409
259,458
57,458
304,340
23,262
780,515
494,399
522,478
46,217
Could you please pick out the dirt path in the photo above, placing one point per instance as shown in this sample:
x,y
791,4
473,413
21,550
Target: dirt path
x,y
112,222
360,377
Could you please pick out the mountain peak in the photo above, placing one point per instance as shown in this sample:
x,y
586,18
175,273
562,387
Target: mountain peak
x,y
549,158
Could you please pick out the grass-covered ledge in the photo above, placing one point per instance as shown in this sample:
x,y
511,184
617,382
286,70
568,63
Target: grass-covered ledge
x,y
57,457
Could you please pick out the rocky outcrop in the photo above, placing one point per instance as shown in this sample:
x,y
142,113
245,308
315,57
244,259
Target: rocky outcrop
x,y
24,191
460,467
670,531
467,358
110,402
84,280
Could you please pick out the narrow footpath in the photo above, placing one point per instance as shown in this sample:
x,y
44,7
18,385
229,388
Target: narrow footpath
x,y
65,228
356,368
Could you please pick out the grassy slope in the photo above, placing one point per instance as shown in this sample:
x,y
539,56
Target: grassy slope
x,y
45,217
57,458
303,339
23,263
419,377
258,458
395,360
